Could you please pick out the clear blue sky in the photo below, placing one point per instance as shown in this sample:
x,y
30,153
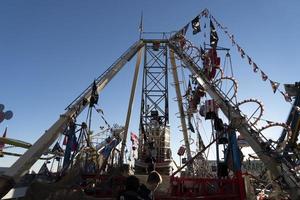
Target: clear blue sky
x,y
52,50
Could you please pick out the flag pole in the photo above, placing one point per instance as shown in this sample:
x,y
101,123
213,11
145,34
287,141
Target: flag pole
x,y
141,28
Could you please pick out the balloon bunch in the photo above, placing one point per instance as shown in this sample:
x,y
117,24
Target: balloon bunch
x,y
5,115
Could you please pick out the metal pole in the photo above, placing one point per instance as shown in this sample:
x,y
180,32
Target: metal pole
x,y
180,107
9,178
133,87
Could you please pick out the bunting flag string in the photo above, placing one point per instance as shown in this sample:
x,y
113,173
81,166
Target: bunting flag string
x,y
196,27
274,85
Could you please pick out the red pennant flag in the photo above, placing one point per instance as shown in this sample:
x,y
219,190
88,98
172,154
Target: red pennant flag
x,y
286,97
181,150
249,60
263,76
65,142
255,68
134,138
274,85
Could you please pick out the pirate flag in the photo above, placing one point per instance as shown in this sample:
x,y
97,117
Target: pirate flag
x,y
213,36
196,25
94,96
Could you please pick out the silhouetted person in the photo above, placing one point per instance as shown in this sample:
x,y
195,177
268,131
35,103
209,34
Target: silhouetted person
x,y
132,185
146,190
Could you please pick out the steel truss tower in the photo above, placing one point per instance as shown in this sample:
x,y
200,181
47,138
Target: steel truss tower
x,y
154,145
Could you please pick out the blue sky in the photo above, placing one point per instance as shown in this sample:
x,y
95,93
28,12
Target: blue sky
x,y
52,50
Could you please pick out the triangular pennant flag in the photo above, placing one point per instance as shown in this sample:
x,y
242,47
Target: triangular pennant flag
x,y
44,170
196,25
239,48
57,148
274,85
99,110
191,127
184,29
189,90
286,97
202,53
141,27
2,144
213,36
269,122
5,132
233,42
263,76
249,60
255,68
205,13
242,53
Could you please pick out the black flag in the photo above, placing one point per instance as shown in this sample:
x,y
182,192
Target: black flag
x,y
202,53
196,25
184,29
94,96
213,36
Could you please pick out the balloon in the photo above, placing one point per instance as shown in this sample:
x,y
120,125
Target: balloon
x,y
1,116
1,107
8,114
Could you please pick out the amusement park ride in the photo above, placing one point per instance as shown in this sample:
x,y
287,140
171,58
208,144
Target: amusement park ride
x,y
101,163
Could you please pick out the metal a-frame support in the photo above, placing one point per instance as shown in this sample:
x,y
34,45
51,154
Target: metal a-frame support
x,y
278,168
154,142
24,163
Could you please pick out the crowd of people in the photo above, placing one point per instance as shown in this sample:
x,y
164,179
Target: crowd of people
x,y
134,190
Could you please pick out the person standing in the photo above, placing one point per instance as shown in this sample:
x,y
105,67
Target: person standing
x,y
132,185
146,190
